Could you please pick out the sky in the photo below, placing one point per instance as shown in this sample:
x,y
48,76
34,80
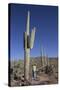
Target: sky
x,y
45,19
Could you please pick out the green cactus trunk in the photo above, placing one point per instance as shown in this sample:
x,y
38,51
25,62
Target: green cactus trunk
x,y
26,64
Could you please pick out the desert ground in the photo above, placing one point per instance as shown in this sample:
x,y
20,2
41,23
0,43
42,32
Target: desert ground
x,y
44,75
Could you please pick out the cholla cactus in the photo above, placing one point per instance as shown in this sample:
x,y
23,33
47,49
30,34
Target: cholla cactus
x,y
28,44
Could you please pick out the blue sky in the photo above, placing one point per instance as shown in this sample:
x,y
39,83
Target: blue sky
x,y
45,19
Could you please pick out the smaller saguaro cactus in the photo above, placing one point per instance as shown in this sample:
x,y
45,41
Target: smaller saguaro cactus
x,y
44,58
28,44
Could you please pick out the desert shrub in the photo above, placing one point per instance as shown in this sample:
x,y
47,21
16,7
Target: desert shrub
x,y
48,70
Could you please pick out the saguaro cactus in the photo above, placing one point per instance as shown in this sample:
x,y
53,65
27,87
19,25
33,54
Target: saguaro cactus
x,y
28,44
42,58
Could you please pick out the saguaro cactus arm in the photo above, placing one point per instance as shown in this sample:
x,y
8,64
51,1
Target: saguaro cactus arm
x,y
28,23
32,38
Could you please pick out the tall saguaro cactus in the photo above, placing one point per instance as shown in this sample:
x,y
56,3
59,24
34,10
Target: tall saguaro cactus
x,y
28,44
